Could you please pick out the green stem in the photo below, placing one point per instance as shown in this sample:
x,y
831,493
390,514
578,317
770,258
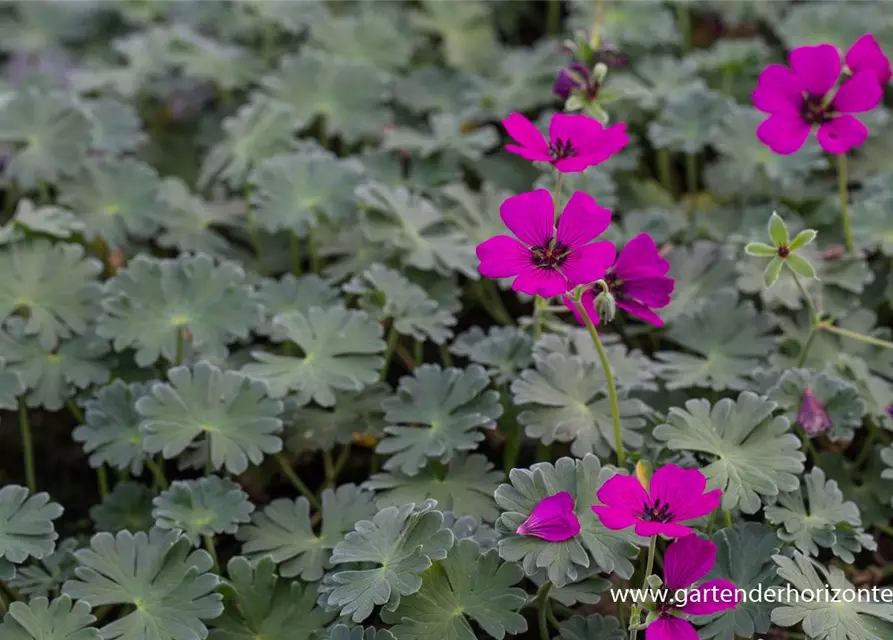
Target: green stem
x,y
342,459
609,376
886,530
102,479
252,226
27,446
813,332
209,465
496,308
417,353
727,517
513,440
181,345
393,338
813,312
710,522
75,411
852,335
683,20
844,201
664,172
554,19
542,600
289,473
808,446
157,472
649,567
556,196
328,464
691,173
294,248
551,615
538,307
445,356
4,603
866,451
209,545
313,253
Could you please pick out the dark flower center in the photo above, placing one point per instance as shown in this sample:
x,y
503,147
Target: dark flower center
x,y
615,284
560,148
657,512
783,251
550,256
814,110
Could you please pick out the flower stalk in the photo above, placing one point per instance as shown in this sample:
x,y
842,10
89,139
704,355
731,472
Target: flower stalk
x,y
842,187
298,484
542,599
27,446
649,567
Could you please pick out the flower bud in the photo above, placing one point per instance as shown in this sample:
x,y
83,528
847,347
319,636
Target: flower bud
x,y
599,72
605,306
643,474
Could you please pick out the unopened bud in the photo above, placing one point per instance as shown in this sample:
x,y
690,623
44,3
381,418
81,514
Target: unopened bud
x,y
654,582
643,474
605,306
599,71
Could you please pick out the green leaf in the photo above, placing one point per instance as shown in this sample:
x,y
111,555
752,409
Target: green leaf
x,y
839,398
429,89
565,399
469,527
290,191
449,135
11,387
294,294
50,376
450,408
354,412
343,632
772,271
348,96
503,351
820,617
127,507
476,214
887,458
203,507
159,575
43,578
800,266
820,518
632,28
778,230
229,409
387,294
467,584
117,198
150,301
55,284
403,542
340,354
594,627
802,239
760,250
47,219
411,223
688,118
744,557
49,136
116,127
465,490
731,338
864,485
754,454
466,31
111,434
814,24
259,604
567,561
41,619
699,271
375,37
283,531
26,524
192,224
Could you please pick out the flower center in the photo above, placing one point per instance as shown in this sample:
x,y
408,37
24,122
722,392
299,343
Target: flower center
x,y
814,110
657,512
560,148
551,256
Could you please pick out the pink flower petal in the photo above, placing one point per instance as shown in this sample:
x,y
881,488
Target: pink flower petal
x,y
594,147
688,560
859,94
552,519
543,282
712,597
572,127
623,494
640,258
683,490
614,519
653,292
865,54
813,416
784,133
503,257
668,529
582,220
671,628
778,90
526,134
528,154
842,134
641,312
588,263
530,216
817,67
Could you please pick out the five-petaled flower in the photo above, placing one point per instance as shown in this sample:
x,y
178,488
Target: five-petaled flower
x,y
546,261
802,97
675,496
687,561
638,281
552,519
576,142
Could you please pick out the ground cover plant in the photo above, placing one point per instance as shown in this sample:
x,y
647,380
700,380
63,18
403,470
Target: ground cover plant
x,y
397,320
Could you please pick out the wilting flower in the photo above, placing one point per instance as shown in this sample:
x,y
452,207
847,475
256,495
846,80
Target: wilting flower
x,y
688,560
675,495
813,416
638,282
576,78
553,519
548,262
575,142
801,97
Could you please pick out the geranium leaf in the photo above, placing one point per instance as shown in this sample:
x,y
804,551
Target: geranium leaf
x,y
294,294
687,120
127,507
448,135
503,351
840,399
26,524
41,619
43,578
343,632
375,37
202,507
318,428
47,219
594,627
192,224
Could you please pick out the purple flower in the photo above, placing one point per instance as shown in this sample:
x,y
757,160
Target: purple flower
x,y
553,519
813,417
638,281
675,496
576,142
575,78
544,261
801,97
688,560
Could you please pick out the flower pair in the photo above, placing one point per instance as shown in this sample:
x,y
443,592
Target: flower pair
x,y
815,90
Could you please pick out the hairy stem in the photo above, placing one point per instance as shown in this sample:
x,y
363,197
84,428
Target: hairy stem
x,y
554,24
649,567
157,472
445,356
27,446
102,480
844,201
75,411
513,440
542,601
209,545
810,305
298,484
852,335
294,248
393,337
181,346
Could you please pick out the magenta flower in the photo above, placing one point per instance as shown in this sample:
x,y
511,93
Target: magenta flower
x,y
576,78
638,281
543,261
813,416
575,142
688,560
553,519
801,97
675,496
